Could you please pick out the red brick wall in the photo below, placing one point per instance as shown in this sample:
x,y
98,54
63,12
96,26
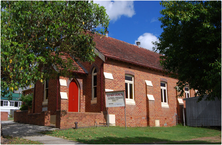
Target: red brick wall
x,y
65,102
52,97
66,120
26,92
38,97
4,116
144,112
87,83
42,118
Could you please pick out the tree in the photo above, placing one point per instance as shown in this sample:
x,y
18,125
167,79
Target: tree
x,y
191,45
37,34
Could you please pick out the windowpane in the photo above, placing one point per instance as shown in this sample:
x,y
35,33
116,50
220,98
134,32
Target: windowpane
x,y
131,91
95,92
161,95
16,104
164,95
46,95
5,103
162,84
47,84
187,95
12,103
1,103
126,90
94,71
186,89
95,80
129,78
20,103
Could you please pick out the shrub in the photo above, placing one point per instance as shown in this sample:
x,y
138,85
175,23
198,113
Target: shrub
x,y
26,101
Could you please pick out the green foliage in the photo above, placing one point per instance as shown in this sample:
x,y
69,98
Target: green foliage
x,y
191,45
37,34
26,101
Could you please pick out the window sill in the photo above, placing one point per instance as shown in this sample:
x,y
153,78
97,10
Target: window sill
x,y
130,102
45,102
164,105
94,101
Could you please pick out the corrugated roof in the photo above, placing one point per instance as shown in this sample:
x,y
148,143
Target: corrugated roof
x,y
119,50
15,97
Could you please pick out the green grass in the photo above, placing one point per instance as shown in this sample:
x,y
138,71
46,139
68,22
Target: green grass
x,y
115,135
10,118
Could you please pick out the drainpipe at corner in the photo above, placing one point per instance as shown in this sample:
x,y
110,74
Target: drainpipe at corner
x,y
101,88
57,94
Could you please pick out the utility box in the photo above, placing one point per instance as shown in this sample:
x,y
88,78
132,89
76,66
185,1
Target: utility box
x,y
111,119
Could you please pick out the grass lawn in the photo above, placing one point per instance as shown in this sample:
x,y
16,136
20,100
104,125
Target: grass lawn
x,y
115,135
10,118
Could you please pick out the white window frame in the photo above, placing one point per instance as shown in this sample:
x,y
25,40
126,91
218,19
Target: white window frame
x,y
13,103
128,82
164,103
94,74
19,103
187,93
45,100
5,102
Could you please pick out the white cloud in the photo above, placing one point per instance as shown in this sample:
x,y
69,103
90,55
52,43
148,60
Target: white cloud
x,y
116,9
153,20
146,40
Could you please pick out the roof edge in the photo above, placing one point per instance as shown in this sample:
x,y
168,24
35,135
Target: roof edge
x,y
123,60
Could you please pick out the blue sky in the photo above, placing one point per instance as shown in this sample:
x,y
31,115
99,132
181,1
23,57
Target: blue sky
x,y
133,21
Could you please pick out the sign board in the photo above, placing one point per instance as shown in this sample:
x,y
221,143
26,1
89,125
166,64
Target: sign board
x,y
115,99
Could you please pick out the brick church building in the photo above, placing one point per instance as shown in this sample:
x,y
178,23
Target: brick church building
x,y
150,94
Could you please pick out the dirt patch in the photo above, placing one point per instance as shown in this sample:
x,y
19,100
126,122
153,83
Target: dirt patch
x,y
210,139
4,140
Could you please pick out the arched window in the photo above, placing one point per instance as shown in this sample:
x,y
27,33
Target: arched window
x,y
187,92
46,92
94,83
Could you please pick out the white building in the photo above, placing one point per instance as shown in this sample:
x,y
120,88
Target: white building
x,y
11,105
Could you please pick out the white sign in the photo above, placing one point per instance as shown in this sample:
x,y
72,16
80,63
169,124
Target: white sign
x,y
115,99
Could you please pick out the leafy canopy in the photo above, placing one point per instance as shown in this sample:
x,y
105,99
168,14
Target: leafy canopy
x,y
191,45
37,34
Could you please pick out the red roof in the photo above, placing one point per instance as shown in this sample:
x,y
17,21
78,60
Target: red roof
x,y
119,50
75,64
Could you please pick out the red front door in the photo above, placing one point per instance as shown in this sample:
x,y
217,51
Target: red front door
x,y
73,97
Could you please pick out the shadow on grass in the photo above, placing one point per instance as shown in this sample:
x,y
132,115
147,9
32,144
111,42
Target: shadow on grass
x,y
132,140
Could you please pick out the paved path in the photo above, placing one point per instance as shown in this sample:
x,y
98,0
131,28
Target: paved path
x,y
31,132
